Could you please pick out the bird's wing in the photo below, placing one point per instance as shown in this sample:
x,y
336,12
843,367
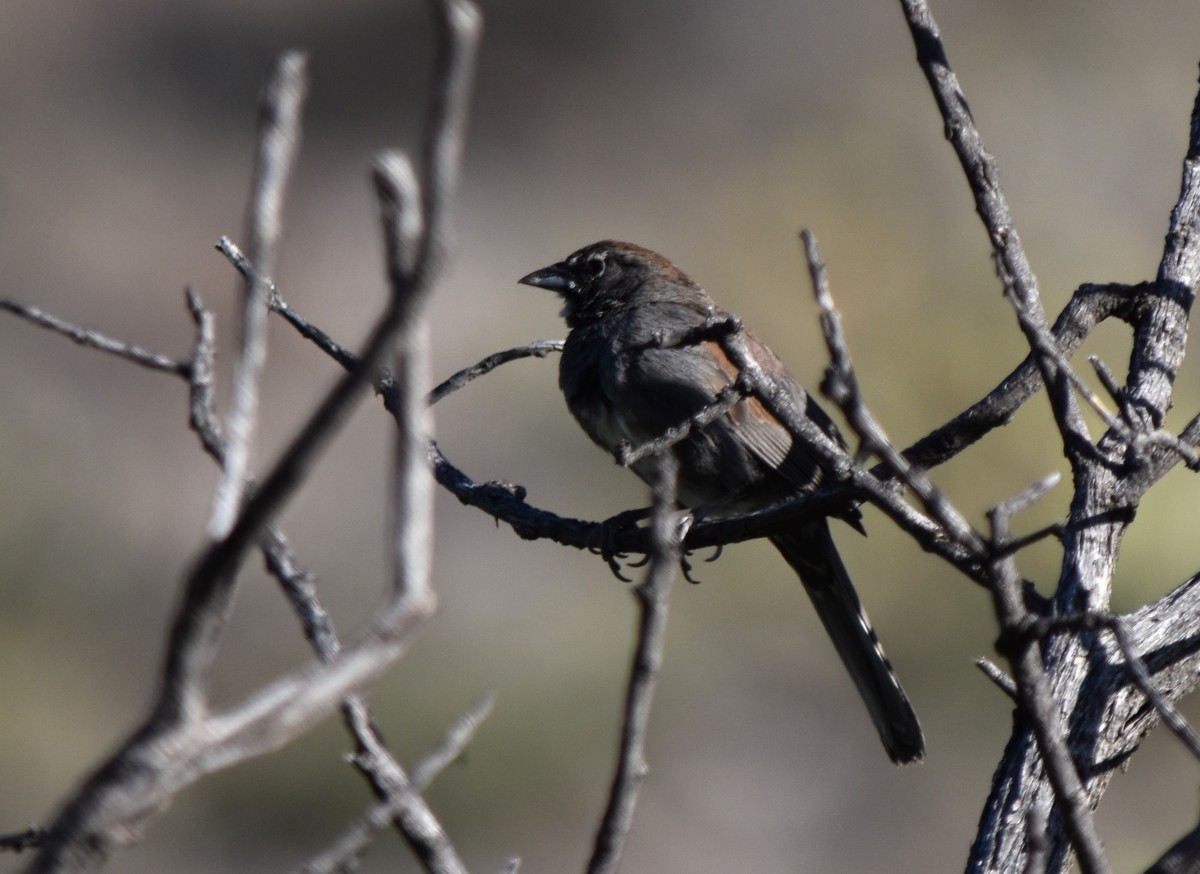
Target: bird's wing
x,y
664,387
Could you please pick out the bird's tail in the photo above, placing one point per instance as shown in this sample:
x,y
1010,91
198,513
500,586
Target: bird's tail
x,y
811,551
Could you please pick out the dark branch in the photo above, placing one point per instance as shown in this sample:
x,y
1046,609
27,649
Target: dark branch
x,y
94,339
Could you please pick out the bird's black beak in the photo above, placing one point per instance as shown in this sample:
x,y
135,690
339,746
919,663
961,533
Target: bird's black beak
x,y
556,277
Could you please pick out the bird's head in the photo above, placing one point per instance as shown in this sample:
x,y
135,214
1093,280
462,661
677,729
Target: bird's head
x,y
605,277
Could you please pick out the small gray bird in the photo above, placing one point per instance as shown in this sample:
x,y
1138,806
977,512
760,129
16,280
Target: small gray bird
x,y
621,386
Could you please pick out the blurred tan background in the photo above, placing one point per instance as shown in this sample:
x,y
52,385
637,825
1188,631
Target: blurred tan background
x,y
709,131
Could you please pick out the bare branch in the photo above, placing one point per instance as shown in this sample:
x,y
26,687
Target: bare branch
x,y
1088,306
277,304
455,743
536,349
841,386
982,175
1002,680
372,758
1037,702
19,842
1141,676
460,27
179,741
1042,627
278,141
1104,727
1159,345
94,339
202,414
197,630
1031,686
355,840
652,597
412,492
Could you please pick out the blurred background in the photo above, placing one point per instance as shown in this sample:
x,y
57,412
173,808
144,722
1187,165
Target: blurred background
x,y
711,132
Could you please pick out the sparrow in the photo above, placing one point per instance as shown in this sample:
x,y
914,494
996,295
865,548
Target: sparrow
x,y
625,387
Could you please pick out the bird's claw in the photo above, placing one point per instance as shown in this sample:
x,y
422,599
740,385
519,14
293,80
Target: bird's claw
x,y
607,535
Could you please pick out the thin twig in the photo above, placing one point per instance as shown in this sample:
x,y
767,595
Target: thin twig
x,y
1132,429
30,839
536,349
1089,305
1002,680
652,595
277,304
202,413
460,27
344,853
983,177
383,380
1016,544
297,583
454,744
278,141
94,339
726,399
353,842
841,386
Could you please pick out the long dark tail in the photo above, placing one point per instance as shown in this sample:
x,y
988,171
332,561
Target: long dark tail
x,y
811,551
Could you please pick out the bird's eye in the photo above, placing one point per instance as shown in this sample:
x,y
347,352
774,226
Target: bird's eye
x,y
594,265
